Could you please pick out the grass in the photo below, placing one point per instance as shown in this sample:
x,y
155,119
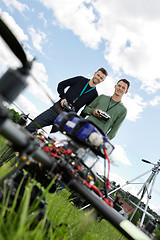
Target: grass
x,y
67,222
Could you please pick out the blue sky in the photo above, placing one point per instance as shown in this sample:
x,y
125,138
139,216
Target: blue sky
x,y
70,38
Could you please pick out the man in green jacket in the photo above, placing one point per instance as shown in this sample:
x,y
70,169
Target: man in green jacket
x,y
116,111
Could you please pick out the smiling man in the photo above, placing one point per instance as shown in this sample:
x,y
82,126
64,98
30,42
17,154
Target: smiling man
x,y
78,91
109,112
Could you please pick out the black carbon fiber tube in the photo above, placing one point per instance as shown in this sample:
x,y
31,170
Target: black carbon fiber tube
x,y
21,140
122,224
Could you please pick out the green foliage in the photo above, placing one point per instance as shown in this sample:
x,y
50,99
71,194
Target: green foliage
x,y
99,184
67,222
126,196
137,216
2,141
157,232
17,225
14,115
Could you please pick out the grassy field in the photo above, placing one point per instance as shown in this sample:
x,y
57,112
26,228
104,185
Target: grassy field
x,y
67,222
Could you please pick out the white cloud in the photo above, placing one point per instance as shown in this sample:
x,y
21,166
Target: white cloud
x,y
78,17
106,87
135,106
155,101
16,30
132,32
99,168
7,59
119,155
23,105
26,106
15,4
129,30
38,83
37,38
41,16
155,208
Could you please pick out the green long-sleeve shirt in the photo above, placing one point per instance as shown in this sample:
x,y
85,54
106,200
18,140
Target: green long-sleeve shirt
x,y
117,113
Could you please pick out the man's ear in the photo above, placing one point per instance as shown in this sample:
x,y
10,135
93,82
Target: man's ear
x,y
126,91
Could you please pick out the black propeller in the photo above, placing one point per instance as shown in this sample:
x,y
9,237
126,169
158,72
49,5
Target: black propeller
x,y
13,43
14,80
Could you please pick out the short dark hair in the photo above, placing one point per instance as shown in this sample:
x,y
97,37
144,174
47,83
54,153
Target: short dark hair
x,y
125,81
103,70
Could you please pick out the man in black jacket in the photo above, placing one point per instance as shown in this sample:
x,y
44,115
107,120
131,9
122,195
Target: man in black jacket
x,y
81,92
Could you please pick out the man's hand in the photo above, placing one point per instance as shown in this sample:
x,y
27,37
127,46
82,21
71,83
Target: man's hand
x,y
63,101
96,113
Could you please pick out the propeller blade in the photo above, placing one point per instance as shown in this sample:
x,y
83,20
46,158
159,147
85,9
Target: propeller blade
x,y
13,43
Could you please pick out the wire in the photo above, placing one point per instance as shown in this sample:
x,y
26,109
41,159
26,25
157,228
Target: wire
x,y
107,180
18,108
42,88
27,115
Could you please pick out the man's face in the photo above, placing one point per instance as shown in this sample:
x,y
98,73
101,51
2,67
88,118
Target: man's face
x,y
121,88
98,77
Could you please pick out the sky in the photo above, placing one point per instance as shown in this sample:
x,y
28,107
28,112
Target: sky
x,y
71,38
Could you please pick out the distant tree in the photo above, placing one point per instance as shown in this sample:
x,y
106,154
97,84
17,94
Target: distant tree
x,y
157,232
99,183
136,217
15,116
133,198
158,227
